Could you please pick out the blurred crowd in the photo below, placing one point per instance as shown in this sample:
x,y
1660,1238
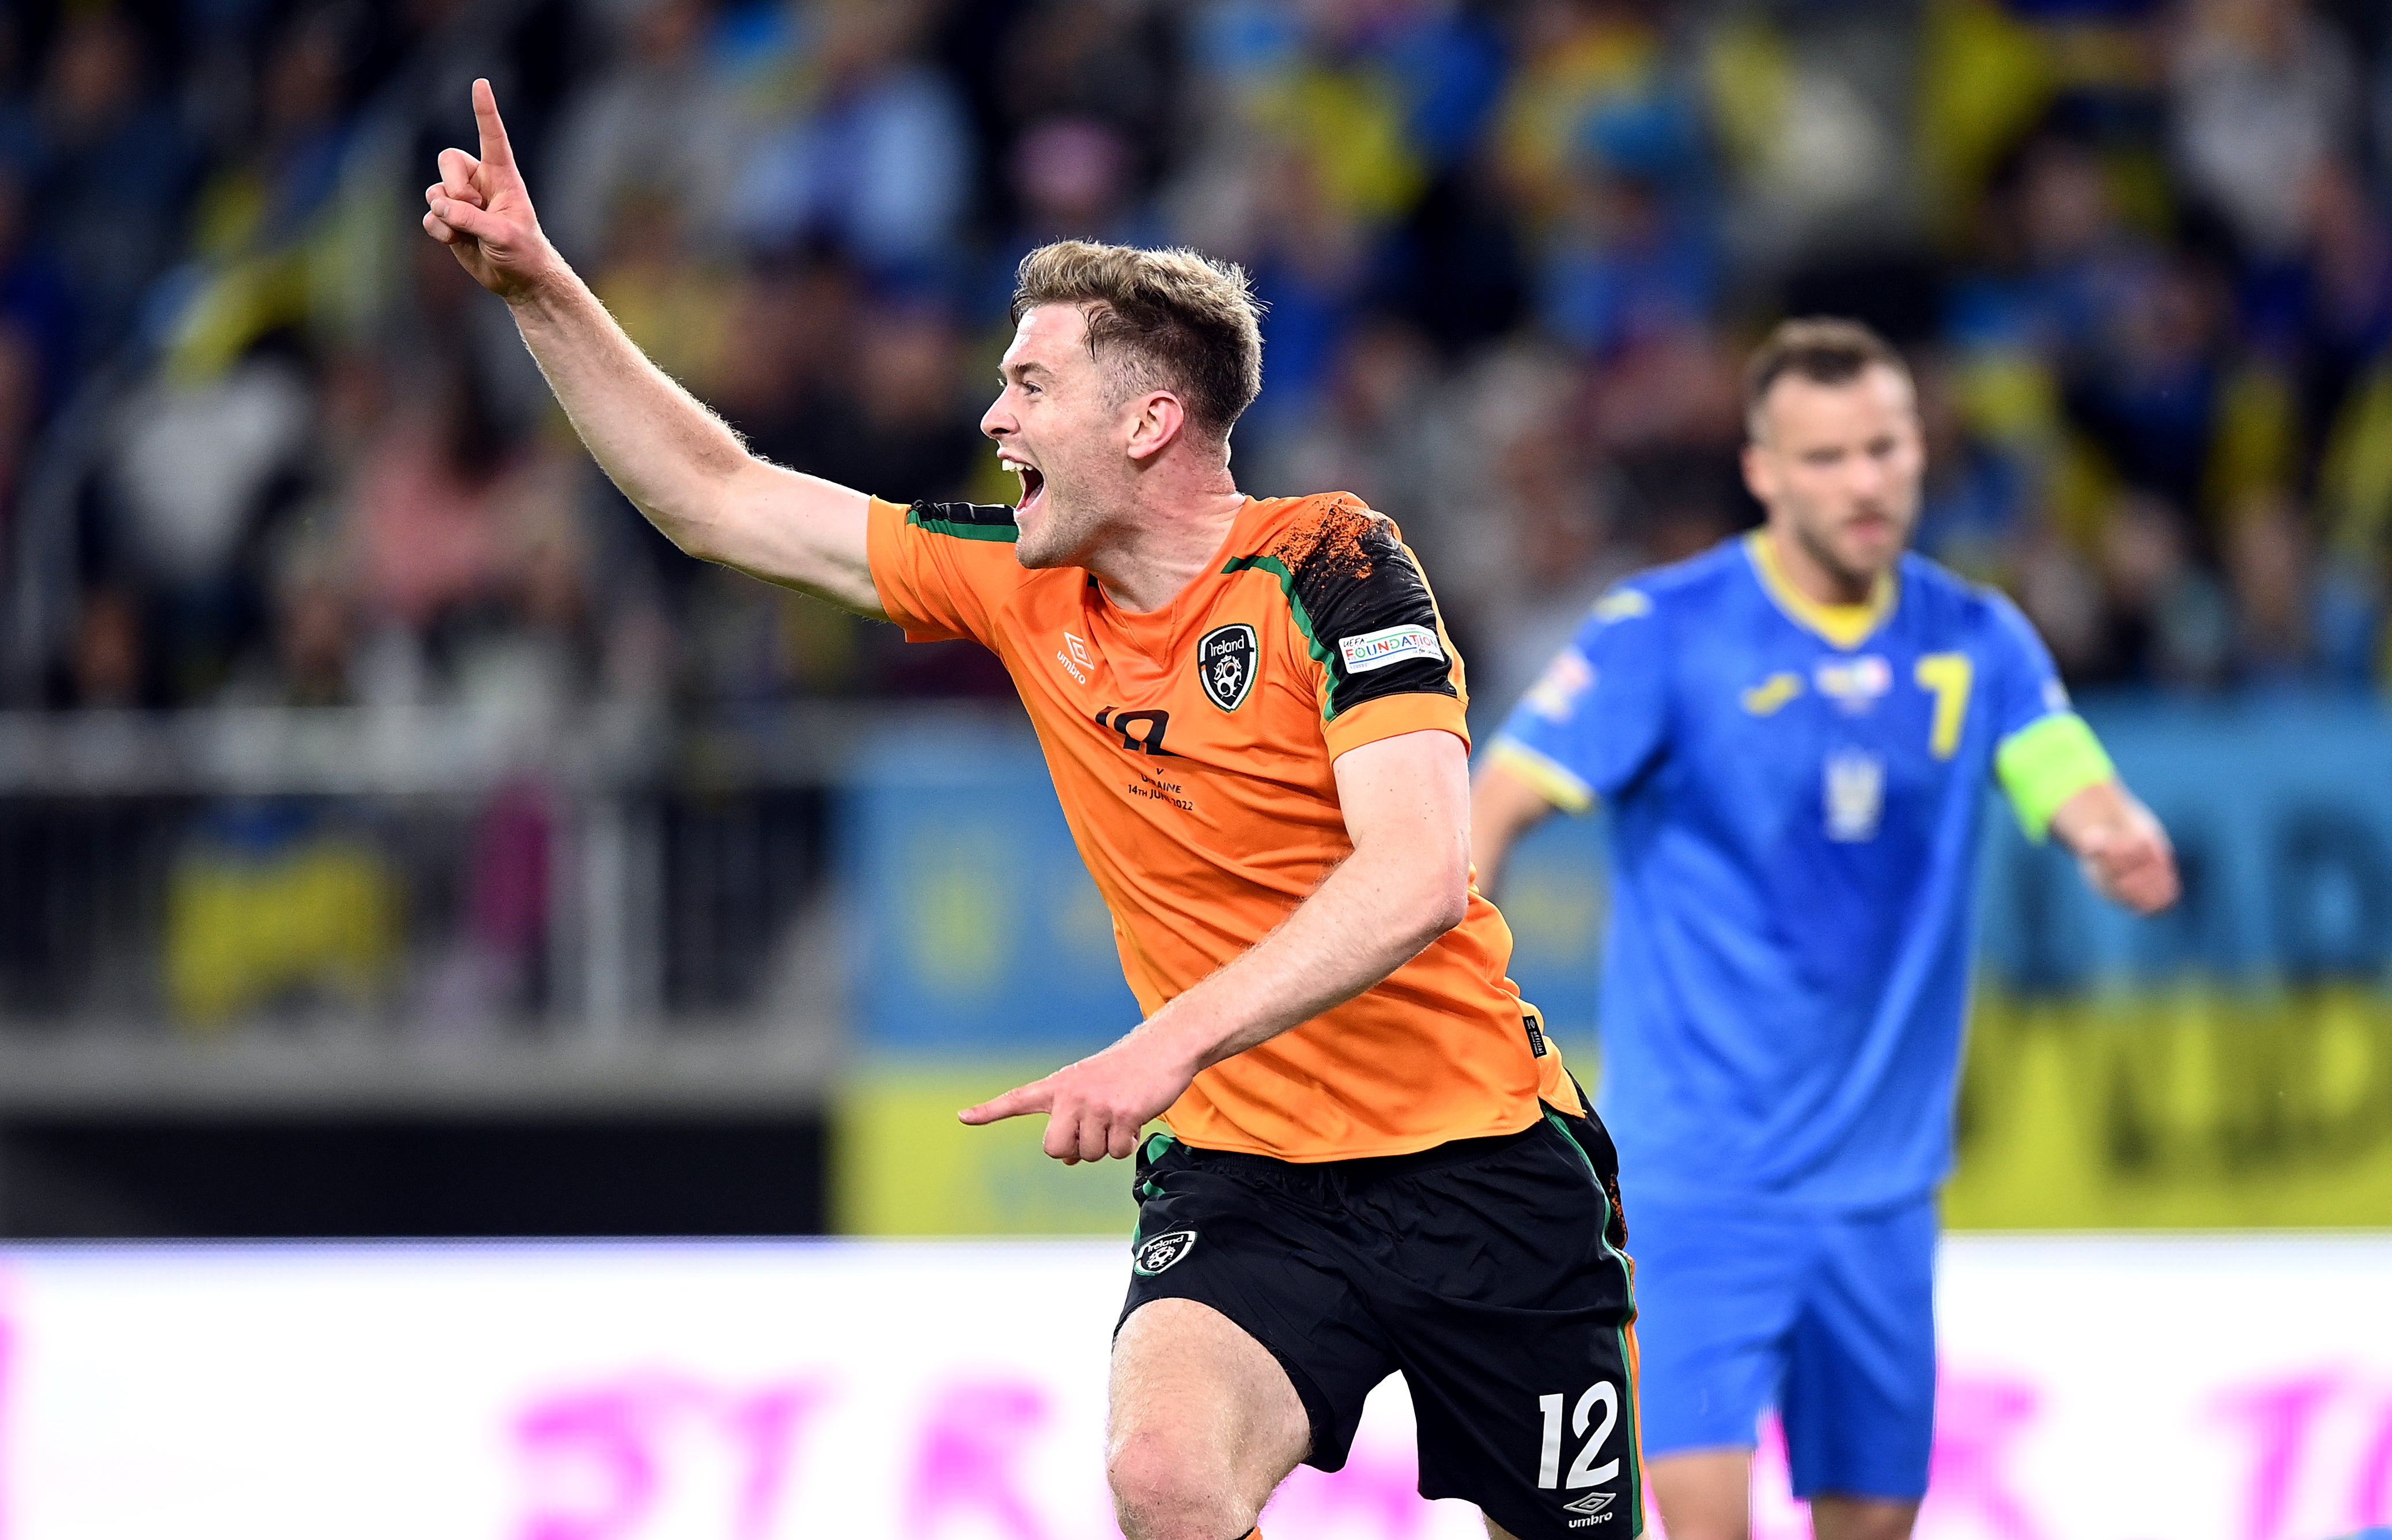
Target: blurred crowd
x,y
262,442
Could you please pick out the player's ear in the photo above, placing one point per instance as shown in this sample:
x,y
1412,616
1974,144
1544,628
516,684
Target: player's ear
x,y
1159,420
1759,476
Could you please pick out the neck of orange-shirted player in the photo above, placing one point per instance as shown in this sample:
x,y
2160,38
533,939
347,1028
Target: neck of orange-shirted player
x,y
1153,548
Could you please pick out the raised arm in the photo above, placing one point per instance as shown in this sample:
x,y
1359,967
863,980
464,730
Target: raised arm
x,y
1406,803
680,464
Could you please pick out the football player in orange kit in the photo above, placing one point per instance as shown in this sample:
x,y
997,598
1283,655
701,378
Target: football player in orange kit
x,y
1375,1162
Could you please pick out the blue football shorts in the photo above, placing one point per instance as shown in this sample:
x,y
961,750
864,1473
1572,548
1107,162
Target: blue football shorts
x,y
1830,1318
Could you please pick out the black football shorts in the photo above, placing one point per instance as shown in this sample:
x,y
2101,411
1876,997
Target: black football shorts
x,y
1490,1273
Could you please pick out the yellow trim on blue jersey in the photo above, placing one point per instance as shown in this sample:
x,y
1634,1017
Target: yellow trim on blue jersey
x,y
1847,626
1763,699
1555,784
2045,763
1947,676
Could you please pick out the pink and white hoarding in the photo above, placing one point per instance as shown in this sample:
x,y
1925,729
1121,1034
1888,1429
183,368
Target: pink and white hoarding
x,y
2095,1389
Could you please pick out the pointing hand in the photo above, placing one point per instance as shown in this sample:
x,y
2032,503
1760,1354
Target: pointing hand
x,y
1097,1106
481,210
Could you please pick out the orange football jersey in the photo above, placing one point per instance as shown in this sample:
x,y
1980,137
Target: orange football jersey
x,y
1192,747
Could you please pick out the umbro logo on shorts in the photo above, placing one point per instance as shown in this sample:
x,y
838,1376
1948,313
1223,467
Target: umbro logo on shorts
x,y
1154,1256
1594,1502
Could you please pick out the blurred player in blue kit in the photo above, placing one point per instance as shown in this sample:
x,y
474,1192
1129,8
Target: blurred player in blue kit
x,y
1793,731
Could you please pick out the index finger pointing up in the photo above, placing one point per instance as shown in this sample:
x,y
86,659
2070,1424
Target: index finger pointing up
x,y
495,149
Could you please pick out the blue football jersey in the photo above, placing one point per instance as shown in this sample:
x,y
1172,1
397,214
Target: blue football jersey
x,y
1794,792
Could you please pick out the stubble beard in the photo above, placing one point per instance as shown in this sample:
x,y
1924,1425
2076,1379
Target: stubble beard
x,y
1056,540
1860,579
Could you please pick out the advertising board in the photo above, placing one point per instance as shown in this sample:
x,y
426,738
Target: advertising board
x,y
2094,1389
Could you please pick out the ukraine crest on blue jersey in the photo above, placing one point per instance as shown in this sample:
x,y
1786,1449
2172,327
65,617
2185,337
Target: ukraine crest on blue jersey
x,y
1794,792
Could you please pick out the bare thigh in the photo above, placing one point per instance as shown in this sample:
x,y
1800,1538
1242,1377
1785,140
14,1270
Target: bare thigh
x,y
1205,1424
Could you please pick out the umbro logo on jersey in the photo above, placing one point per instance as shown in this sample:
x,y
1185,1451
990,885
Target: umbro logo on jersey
x,y
1224,664
1163,1251
1073,655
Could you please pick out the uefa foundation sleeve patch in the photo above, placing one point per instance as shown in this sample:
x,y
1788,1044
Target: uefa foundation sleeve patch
x,y
1362,607
1382,649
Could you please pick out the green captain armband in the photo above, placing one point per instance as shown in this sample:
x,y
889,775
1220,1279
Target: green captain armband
x,y
2044,764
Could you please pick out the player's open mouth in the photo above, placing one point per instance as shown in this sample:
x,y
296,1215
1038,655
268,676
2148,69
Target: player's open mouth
x,y
1033,482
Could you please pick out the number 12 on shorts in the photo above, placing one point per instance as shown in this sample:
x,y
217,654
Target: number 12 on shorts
x,y
1583,1472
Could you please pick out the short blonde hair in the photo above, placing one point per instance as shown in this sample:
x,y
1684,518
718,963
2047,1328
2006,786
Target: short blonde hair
x,y
1174,321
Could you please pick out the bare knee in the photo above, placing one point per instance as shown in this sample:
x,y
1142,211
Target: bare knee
x,y
1205,1424
1164,1489
1862,1518
1703,1494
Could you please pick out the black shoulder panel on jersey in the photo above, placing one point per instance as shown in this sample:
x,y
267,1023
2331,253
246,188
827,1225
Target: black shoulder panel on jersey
x,y
966,521
1362,605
